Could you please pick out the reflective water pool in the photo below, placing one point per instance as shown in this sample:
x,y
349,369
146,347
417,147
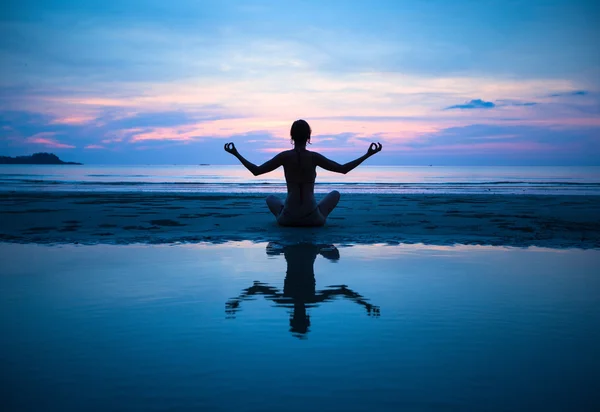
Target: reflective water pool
x,y
270,327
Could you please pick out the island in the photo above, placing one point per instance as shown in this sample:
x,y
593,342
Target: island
x,y
35,159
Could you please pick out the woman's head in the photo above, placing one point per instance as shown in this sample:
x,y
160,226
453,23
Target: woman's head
x,y
300,132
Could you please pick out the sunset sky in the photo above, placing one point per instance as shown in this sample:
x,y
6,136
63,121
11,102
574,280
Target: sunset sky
x,y
437,82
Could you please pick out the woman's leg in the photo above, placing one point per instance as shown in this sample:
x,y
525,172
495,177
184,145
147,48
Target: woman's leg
x,y
329,202
275,205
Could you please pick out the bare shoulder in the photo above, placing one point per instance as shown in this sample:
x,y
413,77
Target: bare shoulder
x,y
316,156
285,154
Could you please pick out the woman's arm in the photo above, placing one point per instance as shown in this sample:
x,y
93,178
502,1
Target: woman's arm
x,y
232,306
266,167
332,166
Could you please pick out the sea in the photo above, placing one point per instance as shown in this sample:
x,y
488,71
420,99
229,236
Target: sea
x,y
556,180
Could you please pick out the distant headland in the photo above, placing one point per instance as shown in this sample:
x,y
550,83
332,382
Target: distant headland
x,y
35,159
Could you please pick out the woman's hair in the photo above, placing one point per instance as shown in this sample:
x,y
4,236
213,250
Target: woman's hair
x,y
300,132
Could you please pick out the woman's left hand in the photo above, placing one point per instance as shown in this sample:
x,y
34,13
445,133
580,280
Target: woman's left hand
x,y
374,148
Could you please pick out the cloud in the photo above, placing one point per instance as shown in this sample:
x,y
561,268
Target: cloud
x,y
44,138
571,93
374,118
157,78
513,138
94,146
502,103
473,104
152,39
172,118
482,104
73,120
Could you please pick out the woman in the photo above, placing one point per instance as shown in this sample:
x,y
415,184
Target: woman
x,y
300,207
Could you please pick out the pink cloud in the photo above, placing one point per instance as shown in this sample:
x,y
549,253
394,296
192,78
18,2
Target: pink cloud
x,y
279,127
163,133
346,149
73,120
45,138
391,108
93,101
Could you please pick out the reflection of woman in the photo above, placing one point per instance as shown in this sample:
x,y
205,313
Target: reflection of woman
x,y
299,285
300,207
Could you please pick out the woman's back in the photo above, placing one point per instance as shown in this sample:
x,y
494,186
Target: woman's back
x,y
300,174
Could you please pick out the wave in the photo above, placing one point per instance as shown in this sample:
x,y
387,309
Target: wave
x,y
113,175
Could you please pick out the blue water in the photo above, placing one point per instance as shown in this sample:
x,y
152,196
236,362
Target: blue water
x,y
266,327
365,179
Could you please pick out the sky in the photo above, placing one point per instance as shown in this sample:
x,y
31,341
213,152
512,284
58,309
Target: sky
x,y
460,82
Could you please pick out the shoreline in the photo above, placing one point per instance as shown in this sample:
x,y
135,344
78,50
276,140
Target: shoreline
x,y
553,221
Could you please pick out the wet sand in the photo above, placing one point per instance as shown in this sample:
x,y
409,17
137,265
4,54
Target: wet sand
x,y
90,218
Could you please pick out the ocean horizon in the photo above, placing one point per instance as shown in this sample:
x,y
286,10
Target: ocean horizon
x,y
555,180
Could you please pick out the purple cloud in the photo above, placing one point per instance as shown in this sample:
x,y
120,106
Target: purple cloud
x,y
482,104
473,104
574,93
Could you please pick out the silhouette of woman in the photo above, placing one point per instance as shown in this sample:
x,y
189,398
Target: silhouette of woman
x,y
299,164
299,292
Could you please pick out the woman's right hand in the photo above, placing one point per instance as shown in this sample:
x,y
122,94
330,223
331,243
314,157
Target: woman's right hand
x,y
374,148
230,148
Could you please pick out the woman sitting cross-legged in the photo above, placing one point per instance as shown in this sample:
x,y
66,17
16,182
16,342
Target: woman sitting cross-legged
x,y
299,164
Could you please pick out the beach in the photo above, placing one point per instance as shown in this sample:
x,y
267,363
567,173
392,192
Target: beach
x,y
438,219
